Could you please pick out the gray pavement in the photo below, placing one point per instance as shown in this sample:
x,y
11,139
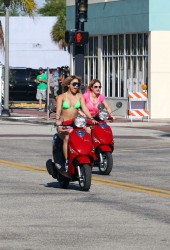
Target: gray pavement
x,y
37,214
38,117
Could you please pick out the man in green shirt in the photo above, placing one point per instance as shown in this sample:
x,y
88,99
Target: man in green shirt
x,y
41,80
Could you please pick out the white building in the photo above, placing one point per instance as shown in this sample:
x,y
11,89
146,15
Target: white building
x,y
31,45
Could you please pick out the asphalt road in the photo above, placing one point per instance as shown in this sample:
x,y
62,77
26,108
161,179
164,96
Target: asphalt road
x,y
127,210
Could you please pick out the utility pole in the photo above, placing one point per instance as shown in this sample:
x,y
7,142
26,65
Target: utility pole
x,y
5,111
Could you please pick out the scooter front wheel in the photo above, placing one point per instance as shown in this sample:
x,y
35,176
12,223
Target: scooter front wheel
x,y
85,179
106,167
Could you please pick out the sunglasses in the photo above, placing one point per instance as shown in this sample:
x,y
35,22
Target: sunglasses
x,y
95,87
76,83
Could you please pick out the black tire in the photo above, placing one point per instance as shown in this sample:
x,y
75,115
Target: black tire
x,y
49,166
64,182
108,163
85,182
51,169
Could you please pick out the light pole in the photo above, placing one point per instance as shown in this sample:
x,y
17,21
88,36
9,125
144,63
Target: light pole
x,y
5,111
81,7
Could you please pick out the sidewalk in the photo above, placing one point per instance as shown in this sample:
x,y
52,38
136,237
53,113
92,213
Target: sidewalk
x,y
33,115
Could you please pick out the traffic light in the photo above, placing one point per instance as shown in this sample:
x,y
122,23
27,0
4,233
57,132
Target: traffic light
x,y
79,38
70,37
82,8
7,3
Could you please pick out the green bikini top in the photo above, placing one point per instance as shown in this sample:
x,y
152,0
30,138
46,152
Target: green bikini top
x,y
67,106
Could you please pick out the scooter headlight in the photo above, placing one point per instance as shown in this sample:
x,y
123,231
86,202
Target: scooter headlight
x,y
103,115
80,122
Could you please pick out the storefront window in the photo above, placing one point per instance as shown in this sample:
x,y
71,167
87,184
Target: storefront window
x,y
116,48
121,44
110,45
91,60
124,63
129,70
134,47
128,45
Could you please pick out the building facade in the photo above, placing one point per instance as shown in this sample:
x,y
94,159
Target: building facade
x,y
128,46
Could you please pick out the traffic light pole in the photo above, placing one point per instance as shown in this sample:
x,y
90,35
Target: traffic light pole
x,y
79,50
79,64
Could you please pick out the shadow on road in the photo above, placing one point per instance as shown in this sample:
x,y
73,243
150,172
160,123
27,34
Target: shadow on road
x,y
165,135
72,186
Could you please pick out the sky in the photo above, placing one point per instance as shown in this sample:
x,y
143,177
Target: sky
x,y
40,3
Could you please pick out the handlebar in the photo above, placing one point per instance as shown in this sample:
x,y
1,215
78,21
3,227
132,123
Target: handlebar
x,y
71,123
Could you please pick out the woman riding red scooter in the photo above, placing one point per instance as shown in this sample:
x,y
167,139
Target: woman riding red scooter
x,y
93,98
101,133
79,156
67,108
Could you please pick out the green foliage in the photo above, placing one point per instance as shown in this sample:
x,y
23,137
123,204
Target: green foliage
x,y
19,7
58,32
53,8
56,8
13,10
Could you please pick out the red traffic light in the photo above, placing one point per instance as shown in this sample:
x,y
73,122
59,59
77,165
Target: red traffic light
x,y
78,37
81,38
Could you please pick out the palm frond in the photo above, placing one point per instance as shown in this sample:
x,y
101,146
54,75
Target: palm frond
x,y
29,6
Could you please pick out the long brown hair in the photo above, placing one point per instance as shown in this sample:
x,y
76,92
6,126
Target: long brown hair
x,y
68,80
90,86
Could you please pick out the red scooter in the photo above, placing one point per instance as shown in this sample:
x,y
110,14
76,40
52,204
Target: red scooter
x,y
103,140
80,156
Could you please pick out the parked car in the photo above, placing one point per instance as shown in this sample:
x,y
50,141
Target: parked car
x,y
22,85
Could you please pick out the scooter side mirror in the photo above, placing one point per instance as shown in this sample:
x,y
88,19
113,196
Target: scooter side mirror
x,y
119,105
101,106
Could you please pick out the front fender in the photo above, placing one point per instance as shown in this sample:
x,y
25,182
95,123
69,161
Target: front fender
x,y
83,159
104,148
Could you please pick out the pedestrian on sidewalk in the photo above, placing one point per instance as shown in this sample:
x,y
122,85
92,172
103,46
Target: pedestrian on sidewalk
x,y
51,83
41,80
57,74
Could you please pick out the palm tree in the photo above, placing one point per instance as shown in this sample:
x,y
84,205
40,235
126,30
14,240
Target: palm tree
x,y
56,8
28,6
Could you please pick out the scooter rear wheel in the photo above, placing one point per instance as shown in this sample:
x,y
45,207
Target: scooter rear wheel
x,y
85,180
107,166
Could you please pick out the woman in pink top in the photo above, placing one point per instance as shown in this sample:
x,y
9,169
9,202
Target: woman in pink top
x,y
93,98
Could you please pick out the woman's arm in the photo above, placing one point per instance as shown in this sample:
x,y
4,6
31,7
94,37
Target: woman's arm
x,y
108,109
107,106
59,102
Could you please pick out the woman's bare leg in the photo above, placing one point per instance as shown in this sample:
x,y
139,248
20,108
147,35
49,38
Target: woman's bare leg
x,y
65,147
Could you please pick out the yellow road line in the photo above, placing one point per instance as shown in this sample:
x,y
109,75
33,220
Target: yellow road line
x,y
96,180
129,185
145,147
146,191
22,166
